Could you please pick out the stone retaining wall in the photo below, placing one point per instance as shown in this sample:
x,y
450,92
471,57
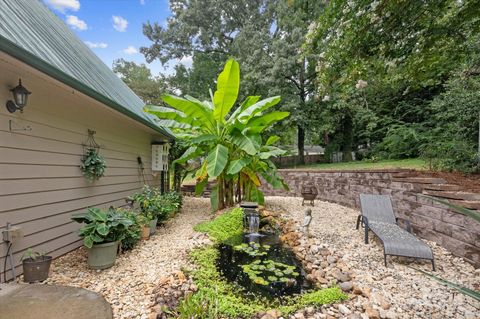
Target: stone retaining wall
x,y
457,233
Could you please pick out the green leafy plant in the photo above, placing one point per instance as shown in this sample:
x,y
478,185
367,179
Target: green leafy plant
x,y
228,142
93,165
102,226
153,204
32,255
252,249
265,272
133,232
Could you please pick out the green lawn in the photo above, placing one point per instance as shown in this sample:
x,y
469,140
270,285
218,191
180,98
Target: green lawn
x,y
412,163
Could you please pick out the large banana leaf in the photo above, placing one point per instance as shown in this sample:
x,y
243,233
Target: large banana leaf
x,y
217,160
190,153
258,107
237,165
252,176
249,101
228,84
267,119
203,138
272,140
191,109
166,113
459,209
271,151
244,142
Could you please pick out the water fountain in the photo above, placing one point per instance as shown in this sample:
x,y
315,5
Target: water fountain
x,y
259,262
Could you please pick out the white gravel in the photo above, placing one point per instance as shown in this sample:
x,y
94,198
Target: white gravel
x,y
397,291
129,284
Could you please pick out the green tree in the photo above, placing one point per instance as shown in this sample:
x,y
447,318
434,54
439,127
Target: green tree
x,y
382,62
228,142
140,80
264,36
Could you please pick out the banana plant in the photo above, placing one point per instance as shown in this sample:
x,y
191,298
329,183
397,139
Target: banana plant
x,y
227,139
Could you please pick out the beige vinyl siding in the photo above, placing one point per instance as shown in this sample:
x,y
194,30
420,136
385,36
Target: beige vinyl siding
x,y
41,184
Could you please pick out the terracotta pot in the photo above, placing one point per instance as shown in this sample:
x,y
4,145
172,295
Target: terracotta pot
x,y
145,232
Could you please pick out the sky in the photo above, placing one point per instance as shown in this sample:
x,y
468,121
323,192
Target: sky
x,y
113,28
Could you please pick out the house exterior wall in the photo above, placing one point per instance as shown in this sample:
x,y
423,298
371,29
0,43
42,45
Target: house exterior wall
x,y
457,233
41,184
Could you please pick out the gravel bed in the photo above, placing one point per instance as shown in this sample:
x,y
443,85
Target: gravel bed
x,y
395,291
129,285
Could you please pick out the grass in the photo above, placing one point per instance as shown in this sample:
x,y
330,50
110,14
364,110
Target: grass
x,y
411,163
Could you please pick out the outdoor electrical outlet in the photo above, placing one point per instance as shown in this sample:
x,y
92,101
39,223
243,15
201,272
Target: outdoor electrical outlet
x,y
12,234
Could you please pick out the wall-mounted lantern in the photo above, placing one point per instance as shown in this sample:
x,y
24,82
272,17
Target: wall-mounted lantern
x,y
20,97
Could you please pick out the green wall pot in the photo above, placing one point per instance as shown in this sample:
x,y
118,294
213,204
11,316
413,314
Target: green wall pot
x,y
102,256
36,269
153,226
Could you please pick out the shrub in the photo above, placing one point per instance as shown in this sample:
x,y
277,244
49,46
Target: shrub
x,y
133,232
401,141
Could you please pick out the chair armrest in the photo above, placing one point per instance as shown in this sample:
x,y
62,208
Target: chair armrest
x,y
406,222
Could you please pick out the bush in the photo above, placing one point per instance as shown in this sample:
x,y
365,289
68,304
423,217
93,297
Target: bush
x,y
401,141
153,204
133,233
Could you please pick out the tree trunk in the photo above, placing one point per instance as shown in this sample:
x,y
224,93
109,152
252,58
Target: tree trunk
x,y
221,191
301,145
347,144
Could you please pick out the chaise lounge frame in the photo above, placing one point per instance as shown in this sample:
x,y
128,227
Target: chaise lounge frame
x,y
378,216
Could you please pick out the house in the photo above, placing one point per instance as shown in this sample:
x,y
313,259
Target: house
x,y
72,93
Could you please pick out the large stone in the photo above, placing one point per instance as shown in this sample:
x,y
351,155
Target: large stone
x,y
346,286
51,302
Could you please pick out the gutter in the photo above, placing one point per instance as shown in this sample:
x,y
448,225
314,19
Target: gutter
x,y
23,55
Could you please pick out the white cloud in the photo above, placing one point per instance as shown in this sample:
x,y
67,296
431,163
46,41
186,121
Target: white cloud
x,y
76,23
63,5
95,45
130,50
186,60
120,24
142,2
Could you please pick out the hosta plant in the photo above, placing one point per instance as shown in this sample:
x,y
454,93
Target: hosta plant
x,y
227,138
102,226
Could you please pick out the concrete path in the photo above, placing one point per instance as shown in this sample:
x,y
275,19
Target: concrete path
x,y
51,302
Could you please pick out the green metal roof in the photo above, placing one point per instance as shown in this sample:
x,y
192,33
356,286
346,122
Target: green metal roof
x,y
30,32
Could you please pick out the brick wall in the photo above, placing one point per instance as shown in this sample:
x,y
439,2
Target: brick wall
x,y
457,233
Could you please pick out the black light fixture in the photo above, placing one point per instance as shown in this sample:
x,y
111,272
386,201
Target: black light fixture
x,y
20,97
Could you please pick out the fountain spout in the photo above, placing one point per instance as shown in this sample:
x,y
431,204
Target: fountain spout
x,y
251,218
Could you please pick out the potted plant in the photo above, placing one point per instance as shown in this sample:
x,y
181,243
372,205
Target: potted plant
x,y
144,223
35,266
134,231
150,204
93,165
102,233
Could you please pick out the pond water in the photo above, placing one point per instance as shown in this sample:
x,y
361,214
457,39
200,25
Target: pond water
x,y
259,263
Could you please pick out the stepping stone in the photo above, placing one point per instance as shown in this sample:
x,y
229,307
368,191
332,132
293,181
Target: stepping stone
x,y
39,301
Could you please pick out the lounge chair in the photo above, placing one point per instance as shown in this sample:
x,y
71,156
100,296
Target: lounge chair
x,y
377,216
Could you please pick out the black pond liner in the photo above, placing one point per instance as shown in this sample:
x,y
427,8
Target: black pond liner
x,y
230,264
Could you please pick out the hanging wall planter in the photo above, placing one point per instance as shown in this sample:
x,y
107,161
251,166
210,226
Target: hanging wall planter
x,y
93,164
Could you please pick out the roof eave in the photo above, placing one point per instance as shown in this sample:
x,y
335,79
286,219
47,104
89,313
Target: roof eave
x,y
23,55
